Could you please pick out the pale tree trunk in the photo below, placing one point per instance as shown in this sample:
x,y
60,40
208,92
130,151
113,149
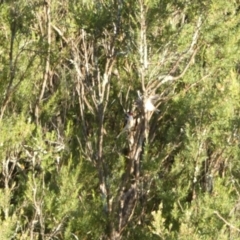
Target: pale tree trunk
x,y
46,72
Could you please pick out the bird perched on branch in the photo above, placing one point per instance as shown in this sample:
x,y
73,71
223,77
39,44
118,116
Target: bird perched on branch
x,y
129,123
147,103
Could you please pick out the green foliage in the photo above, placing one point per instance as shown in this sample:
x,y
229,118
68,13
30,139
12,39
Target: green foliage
x,y
65,66
8,227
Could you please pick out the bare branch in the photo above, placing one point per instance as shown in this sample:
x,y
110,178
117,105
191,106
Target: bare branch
x,y
47,63
226,222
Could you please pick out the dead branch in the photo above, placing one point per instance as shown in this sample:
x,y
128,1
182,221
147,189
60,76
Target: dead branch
x,y
47,63
226,222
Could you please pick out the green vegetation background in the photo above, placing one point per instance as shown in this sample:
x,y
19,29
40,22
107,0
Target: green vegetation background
x,y
69,69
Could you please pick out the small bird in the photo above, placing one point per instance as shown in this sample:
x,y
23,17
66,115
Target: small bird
x,y
148,103
149,107
129,123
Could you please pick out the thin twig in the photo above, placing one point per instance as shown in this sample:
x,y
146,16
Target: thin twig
x,y
226,222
